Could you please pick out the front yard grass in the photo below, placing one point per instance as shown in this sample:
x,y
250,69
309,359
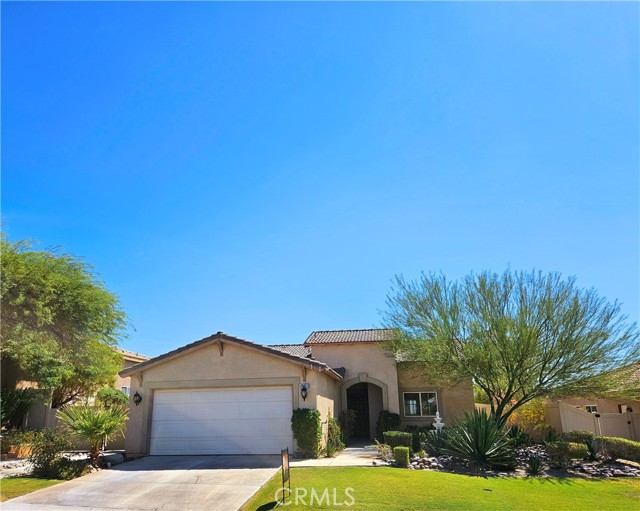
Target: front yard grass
x,y
393,489
11,487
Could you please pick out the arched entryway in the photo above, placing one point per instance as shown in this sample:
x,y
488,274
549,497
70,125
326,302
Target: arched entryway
x,y
366,399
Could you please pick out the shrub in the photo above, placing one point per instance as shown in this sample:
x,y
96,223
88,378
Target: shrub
x,y
387,421
64,468
581,437
14,403
528,416
108,397
419,434
561,453
435,442
612,448
307,430
480,439
47,447
518,437
16,438
534,465
384,451
401,455
348,423
544,433
576,436
96,425
334,437
398,438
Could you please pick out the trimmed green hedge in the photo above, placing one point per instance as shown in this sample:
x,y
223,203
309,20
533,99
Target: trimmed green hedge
x,y
401,455
612,448
307,430
398,438
561,453
577,436
387,421
419,435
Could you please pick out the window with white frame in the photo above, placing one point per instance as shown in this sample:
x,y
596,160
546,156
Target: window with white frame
x,y
126,390
420,404
591,408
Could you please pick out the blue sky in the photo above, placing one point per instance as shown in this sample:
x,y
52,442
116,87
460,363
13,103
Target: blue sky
x,y
266,169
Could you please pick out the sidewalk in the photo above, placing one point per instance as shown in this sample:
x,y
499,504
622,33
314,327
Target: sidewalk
x,y
356,456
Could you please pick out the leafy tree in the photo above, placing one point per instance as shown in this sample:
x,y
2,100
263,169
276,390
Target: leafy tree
x,y
96,425
108,397
59,323
518,336
14,403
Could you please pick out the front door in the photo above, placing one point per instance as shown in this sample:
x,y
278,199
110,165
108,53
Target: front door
x,y
358,401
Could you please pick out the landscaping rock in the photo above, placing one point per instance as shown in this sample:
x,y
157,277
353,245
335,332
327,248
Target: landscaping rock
x,y
112,458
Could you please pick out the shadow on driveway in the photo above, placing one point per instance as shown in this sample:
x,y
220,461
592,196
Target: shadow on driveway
x,y
167,483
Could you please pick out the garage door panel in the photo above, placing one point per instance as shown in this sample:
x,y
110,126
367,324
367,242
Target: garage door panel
x,y
213,410
263,410
221,421
168,397
171,411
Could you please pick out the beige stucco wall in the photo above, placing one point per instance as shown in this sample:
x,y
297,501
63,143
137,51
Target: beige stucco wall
x,y
364,362
604,405
452,401
326,391
126,381
238,367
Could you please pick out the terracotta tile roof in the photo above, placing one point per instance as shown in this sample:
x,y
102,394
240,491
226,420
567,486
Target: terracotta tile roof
x,y
299,350
347,336
222,337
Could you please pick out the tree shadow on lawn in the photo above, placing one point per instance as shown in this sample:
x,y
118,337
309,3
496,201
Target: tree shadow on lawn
x,y
553,477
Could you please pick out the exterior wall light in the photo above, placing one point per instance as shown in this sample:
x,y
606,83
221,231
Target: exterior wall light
x,y
304,390
137,398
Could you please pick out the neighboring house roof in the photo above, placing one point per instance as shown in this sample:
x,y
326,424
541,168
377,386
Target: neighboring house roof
x,y
299,350
348,336
222,337
132,356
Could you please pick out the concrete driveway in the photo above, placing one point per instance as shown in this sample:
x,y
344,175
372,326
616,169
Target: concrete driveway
x,y
163,483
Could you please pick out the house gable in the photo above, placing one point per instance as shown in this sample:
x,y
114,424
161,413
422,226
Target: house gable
x,y
220,342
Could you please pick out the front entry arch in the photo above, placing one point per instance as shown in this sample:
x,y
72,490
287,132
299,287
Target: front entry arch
x,y
367,397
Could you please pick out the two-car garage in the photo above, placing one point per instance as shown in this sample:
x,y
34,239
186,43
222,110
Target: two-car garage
x,y
224,395
221,421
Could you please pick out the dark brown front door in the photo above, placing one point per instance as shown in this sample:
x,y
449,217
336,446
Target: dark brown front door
x,y
358,400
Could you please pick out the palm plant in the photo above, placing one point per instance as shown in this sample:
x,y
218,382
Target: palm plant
x,y
480,439
96,425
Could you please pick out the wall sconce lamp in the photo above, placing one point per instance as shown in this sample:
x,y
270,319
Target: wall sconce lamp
x,y
137,398
304,390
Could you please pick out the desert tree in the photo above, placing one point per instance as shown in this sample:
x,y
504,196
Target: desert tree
x,y
59,324
516,335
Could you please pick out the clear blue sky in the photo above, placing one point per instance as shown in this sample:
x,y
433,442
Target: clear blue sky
x,y
266,169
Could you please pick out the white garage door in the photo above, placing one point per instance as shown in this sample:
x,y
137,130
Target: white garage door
x,y
222,421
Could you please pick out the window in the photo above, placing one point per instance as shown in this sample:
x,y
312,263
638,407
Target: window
x,y
420,404
591,408
126,390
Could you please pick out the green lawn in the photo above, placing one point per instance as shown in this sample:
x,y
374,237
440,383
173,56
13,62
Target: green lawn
x,y
393,489
15,486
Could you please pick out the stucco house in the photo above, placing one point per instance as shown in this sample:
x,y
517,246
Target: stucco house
x,y
226,395
130,359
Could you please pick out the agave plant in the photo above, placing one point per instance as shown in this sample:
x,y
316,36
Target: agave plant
x,y
480,439
96,425
534,465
